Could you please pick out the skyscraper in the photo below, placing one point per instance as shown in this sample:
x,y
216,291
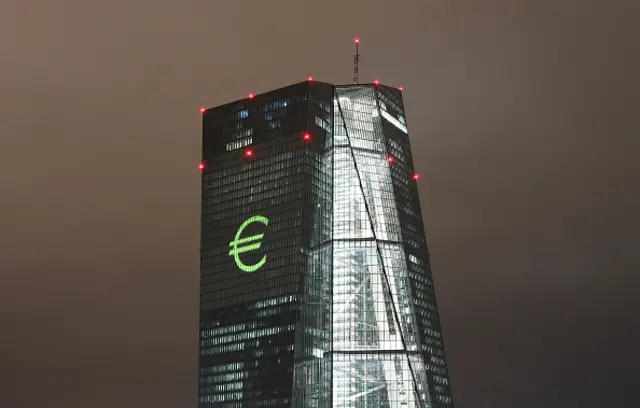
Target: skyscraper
x,y
316,288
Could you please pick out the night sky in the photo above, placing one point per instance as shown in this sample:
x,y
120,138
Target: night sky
x,y
524,119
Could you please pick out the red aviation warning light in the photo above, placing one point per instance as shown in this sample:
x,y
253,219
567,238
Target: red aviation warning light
x,y
376,82
202,110
356,40
248,153
251,96
416,176
400,89
307,137
310,79
390,159
201,166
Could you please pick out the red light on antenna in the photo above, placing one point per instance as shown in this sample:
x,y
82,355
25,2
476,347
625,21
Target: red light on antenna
x,y
416,176
202,110
306,137
390,159
201,166
357,40
251,96
376,82
248,152
310,79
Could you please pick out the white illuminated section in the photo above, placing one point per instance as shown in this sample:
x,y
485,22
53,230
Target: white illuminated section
x,y
238,144
395,122
374,325
361,394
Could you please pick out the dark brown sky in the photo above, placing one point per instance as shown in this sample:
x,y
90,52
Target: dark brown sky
x,y
524,123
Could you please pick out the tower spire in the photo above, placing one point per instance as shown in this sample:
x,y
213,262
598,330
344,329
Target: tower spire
x,y
356,57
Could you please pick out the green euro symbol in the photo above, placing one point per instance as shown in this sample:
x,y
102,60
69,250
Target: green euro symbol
x,y
240,245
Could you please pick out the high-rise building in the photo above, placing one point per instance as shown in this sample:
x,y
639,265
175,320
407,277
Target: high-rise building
x,y
315,286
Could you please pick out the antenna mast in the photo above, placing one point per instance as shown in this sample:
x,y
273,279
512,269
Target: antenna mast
x,y
356,57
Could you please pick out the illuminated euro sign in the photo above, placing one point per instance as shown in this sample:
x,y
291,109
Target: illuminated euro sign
x,y
241,245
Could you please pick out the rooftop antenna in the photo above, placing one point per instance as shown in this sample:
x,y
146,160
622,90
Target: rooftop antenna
x,y
355,62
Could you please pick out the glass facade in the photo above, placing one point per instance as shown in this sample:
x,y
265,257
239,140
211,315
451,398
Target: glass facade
x,y
316,289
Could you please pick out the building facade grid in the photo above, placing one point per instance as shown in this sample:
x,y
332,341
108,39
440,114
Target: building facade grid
x,y
341,310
